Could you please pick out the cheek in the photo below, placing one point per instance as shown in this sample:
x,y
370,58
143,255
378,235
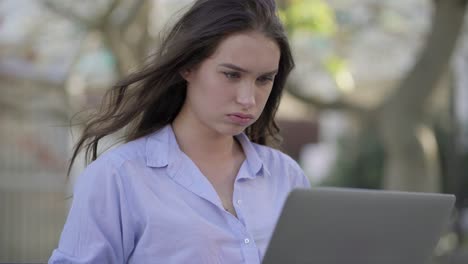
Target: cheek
x,y
262,96
204,87
221,91
212,93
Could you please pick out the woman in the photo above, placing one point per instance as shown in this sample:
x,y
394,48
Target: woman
x,y
195,182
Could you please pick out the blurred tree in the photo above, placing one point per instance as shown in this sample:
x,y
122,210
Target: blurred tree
x,y
397,123
123,25
396,146
411,161
411,148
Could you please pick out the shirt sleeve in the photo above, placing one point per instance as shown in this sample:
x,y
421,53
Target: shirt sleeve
x,y
98,226
299,179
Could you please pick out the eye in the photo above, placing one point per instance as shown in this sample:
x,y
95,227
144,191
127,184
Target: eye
x,y
232,75
265,79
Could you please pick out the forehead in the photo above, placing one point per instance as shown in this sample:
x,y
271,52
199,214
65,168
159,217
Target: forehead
x,y
249,50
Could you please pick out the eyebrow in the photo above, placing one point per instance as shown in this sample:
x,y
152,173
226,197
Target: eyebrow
x,y
237,68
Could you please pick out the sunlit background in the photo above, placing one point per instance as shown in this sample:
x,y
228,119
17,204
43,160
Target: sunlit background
x,y
378,100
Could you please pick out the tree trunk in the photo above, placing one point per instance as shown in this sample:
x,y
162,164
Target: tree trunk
x,y
411,150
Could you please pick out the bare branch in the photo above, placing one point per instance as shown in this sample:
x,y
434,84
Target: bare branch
x,y
419,83
130,15
126,58
145,39
67,13
104,19
321,105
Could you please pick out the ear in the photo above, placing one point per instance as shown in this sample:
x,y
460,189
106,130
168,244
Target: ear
x,y
186,74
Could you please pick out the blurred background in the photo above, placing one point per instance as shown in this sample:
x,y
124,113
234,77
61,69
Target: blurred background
x,y
379,99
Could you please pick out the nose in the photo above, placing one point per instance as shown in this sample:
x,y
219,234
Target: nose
x,y
246,95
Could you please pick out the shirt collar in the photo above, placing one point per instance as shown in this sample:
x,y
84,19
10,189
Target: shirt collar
x,y
157,148
254,162
162,149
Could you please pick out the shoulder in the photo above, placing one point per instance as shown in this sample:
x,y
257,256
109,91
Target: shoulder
x,y
273,156
279,163
108,165
130,151
130,159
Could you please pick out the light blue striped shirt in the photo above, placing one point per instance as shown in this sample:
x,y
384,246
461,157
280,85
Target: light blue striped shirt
x,y
147,202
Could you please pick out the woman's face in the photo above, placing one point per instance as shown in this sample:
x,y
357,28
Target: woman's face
x,y
227,92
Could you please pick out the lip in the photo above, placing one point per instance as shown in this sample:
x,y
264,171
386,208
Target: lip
x,y
240,118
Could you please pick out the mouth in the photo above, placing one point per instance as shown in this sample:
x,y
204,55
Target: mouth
x,y
241,119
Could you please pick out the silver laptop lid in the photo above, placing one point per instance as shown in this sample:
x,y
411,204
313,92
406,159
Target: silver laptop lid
x,y
355,226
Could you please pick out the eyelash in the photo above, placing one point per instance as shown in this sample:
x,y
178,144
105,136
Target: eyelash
x,y
266,79
232,75
235,75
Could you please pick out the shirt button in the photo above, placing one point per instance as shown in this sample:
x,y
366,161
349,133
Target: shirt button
x,y
239,202
246,240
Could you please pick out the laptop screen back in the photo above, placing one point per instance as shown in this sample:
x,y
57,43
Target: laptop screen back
x,y
353,226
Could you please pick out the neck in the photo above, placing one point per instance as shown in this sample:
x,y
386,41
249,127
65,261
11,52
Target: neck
x,y
200,143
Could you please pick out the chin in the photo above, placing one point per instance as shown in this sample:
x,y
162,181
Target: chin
x,y
232,130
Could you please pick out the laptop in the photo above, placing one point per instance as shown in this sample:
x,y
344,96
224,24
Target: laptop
x,y
356,226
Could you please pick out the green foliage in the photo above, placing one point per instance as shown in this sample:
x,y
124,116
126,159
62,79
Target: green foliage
x,y
317,19
309,15
360,163
335,65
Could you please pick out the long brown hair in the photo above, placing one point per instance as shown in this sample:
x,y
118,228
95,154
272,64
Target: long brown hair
x,y
151,98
